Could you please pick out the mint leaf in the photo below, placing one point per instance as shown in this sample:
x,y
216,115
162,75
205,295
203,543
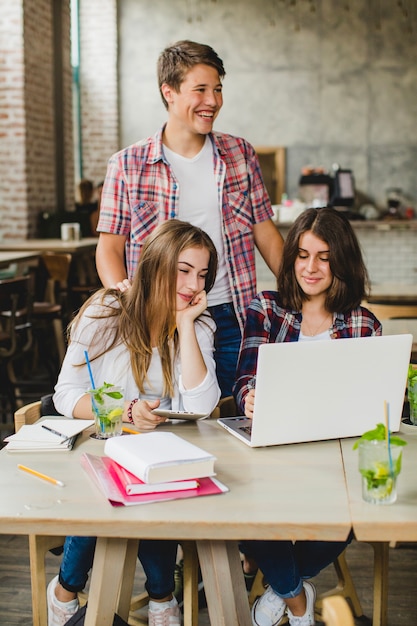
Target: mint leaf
x,y
99,391
412,375
378,434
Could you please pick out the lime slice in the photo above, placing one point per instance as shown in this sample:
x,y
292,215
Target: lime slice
x,y
114,414
381,470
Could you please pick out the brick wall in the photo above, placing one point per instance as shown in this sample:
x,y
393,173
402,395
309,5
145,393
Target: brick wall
x,y
29,125
39,109
65,107
99,85
36,125
13,218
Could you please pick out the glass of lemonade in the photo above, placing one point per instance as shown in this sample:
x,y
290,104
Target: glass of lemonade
x,y
108,406
379,476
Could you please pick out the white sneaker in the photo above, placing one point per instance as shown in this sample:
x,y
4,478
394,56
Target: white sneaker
x,y
308,618
268,609
59,612
164,613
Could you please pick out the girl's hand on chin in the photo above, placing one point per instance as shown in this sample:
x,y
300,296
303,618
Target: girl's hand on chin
x,y
196,307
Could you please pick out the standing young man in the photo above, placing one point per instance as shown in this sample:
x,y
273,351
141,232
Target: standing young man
x,y
190,172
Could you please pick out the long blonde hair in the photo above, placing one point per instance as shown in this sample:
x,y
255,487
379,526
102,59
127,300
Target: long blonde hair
x,y
148,309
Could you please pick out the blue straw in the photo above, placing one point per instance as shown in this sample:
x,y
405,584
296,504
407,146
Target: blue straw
x,y
93,386
87,360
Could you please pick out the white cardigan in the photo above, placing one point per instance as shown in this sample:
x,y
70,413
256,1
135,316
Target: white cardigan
x,y
114,367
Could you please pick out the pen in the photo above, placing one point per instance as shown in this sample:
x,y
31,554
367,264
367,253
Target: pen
x,y
55,432
130,431
54,481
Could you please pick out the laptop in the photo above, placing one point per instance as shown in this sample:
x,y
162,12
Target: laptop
x,y
318,390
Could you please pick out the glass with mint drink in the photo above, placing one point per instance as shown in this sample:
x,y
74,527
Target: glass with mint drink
x,y
379,465
108,404
412,393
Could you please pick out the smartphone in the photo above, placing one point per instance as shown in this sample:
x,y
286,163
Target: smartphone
x,y
178,415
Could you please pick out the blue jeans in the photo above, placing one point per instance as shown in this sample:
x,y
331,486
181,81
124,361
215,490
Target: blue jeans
x,y
286,564
157,557
227,343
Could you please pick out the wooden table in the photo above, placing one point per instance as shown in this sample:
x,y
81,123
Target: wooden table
x,y
264,501
52,245
83,273
8,257
381,525
397,522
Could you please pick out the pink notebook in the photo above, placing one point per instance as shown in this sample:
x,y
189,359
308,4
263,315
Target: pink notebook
x,y
102,472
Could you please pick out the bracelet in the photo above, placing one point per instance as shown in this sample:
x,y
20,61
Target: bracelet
x,y
129,409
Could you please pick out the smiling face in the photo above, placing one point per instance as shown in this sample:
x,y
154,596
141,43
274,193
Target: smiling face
x,y
196,105
312,267
193,266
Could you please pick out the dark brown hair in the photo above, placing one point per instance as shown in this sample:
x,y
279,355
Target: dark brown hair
x,y
350,278
176,60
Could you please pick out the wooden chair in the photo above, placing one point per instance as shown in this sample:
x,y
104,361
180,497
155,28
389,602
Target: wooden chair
x,y
54,309
15,330
40,545
336,612
84,280
225,408
344,587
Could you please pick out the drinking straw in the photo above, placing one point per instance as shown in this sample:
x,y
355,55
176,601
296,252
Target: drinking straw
x,y
87,360
93,386
388,435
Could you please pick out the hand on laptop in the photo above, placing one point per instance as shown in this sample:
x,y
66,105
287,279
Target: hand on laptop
x,y
250,403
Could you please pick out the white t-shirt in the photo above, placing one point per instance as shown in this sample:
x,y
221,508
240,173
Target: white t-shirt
x,y
200,204
92,333
324,335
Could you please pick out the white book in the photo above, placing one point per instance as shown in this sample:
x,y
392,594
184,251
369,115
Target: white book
x,y
160,456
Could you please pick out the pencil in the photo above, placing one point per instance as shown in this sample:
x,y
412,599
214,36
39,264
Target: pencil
x,y
54,481
130,431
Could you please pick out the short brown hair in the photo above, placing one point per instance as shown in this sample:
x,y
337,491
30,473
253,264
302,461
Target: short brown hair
x,y
176,60
350,278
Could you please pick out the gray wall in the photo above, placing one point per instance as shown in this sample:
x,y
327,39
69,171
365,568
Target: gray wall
x,y
337,84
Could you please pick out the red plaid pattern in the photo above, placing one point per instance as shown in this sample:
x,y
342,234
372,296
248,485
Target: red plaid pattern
x,y
140,191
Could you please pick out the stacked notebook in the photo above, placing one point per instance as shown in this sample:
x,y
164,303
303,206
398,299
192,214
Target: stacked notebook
x,y
152,467
50,434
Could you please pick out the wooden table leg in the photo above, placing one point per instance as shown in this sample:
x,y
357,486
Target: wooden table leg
x,y
190,583
113,564
381,561
224,584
